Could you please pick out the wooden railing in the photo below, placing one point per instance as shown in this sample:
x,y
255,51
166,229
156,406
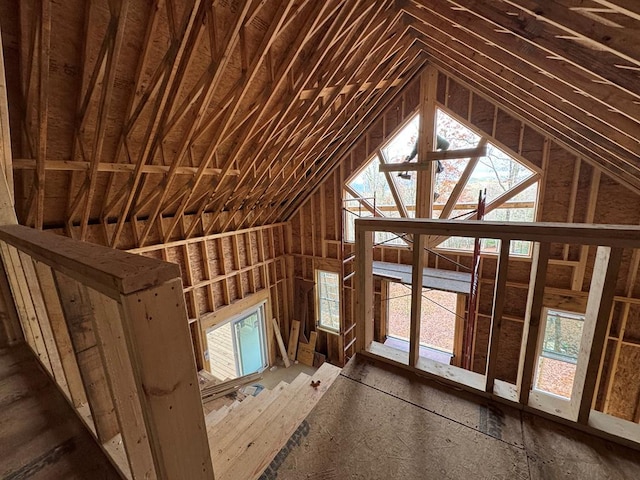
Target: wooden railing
x,y
610,241
112,331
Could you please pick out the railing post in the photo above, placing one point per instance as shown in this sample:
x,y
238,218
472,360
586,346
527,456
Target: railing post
x,y
364,288
111,341
531,328
416,298
168,384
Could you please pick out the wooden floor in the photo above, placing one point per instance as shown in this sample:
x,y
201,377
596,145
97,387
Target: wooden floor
x,y
40,435
377,423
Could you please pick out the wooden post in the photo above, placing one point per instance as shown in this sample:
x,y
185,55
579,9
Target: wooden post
x,y
110,337
424,195
364,288
499,294
594,334
531,328
416,298
170,395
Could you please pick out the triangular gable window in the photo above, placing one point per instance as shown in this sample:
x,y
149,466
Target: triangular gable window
x,y
511,186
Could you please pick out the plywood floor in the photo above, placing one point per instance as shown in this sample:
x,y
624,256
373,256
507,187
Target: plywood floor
x,y
40,435
377,423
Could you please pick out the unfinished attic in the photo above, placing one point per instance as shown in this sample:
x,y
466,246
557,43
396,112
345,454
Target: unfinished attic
x,y
293,239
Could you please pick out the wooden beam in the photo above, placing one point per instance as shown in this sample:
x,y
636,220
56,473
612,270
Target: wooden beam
x,y
319,53
78,166
170,397
118,9
179,48
346,131
492,58
476,152
76,304
5,137
226,123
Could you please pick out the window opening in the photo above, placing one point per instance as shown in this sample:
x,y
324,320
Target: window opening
x,y
328,300
437,322
511,187
238,346
558,352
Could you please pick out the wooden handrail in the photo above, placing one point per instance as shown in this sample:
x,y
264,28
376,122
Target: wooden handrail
x,y
111,328
109,271
583,234
610,241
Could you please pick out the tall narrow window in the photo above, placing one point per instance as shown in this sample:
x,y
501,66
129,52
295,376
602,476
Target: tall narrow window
x,y
328,300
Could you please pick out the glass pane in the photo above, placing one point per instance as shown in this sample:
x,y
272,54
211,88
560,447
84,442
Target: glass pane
x,y
559,353
329,300
455,132
372,185
249,343
222,356
457,136
402,145
497,172
400,149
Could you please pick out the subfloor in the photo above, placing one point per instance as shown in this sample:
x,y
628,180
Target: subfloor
x,y
377,422
40,435
271,377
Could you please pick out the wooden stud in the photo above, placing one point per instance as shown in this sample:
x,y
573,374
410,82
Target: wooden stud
x,y
533,315
76,305
283,350
60,332
499,299
599,304
419,260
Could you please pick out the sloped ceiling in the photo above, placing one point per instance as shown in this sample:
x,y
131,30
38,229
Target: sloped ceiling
x,y
227,113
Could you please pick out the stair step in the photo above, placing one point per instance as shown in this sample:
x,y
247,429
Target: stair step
x,y
233,426
224,458
254,452
238,405
216,416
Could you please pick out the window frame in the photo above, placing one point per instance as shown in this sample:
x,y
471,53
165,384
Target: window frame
x,y
318,302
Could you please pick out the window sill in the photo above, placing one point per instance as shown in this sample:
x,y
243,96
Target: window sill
x,y
327,330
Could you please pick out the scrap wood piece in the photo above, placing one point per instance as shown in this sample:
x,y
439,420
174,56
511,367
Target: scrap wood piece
x,y
319,359
283,350
293,339
306,351
211,392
